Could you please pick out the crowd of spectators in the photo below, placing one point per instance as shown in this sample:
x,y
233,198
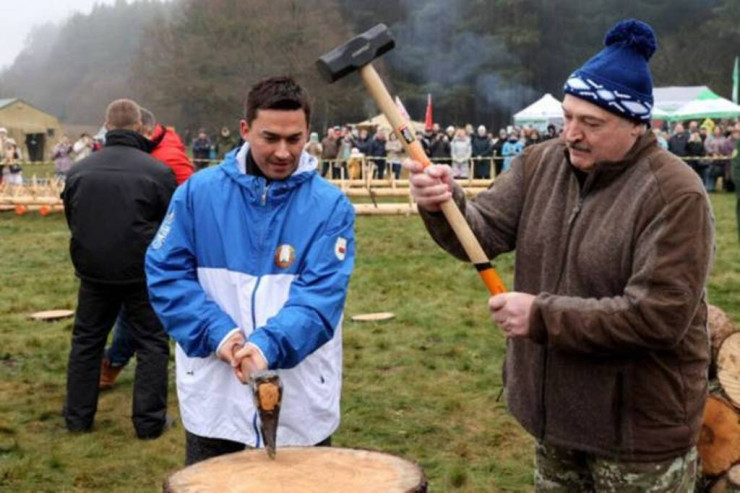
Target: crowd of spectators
x,y
707,147
64,154
472,152
352,152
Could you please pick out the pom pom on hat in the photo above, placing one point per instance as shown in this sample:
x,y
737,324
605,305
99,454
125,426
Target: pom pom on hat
x,y
635,34
618,77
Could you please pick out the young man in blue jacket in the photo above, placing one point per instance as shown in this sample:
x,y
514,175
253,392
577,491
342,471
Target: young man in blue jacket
x,y
251,266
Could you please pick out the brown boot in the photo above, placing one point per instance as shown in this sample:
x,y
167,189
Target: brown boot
x,y
108,374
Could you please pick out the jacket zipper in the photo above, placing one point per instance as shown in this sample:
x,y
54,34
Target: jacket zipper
x,y
263,202
573,215
254,326
263,199
575,212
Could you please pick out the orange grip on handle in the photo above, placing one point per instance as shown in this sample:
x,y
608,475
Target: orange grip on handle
x,y
416,152
492,281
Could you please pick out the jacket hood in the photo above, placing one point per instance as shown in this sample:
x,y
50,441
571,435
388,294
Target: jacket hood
x,y
235,166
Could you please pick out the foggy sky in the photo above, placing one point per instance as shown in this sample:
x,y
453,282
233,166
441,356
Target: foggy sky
x,y
17,17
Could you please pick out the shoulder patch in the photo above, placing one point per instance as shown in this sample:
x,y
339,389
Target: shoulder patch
x,y
340,248
163,232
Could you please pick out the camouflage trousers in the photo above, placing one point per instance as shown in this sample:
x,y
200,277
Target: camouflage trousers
x,y
564,470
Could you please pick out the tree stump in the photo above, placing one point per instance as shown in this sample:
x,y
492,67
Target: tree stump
x,y
300,470
719,441
728,367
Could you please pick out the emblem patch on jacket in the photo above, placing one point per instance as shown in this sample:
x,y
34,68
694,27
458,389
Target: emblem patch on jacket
x,y
164,230
340,248
284,256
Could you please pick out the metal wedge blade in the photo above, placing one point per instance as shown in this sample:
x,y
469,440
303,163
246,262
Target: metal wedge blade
x,y
267,391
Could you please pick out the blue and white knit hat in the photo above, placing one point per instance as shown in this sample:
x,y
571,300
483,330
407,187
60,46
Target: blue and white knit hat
x,y
618,77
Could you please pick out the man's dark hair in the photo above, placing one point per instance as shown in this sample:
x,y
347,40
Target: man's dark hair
x,y
147,118
277,93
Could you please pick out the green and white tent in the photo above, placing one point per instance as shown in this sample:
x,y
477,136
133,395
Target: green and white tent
x,y
706,104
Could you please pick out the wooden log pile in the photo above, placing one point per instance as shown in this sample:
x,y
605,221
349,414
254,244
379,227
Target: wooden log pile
x,y
719,442
376,189
37,195
43,196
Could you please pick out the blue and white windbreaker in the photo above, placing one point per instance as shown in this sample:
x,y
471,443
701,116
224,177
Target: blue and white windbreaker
x,y
273,261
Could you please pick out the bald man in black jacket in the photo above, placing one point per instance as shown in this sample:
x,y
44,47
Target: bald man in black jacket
x,y
114,201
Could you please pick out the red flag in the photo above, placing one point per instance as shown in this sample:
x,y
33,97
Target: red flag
x,y
428,119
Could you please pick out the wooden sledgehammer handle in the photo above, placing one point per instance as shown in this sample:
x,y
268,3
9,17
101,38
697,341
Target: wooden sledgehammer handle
x,y
454,216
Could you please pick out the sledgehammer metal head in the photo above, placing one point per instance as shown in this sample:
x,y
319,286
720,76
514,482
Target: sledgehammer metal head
x,y
355,53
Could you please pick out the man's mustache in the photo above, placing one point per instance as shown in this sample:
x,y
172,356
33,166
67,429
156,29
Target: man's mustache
x,y
578,147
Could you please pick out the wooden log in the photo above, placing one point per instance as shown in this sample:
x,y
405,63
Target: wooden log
x,y
720,326
719,441
734,476
401,183
43,209
376,192
52,315
727,483
728,367
373,317
385,209
396,192
300,470
27,200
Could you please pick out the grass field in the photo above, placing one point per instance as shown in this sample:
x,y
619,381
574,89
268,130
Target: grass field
x,y
424,385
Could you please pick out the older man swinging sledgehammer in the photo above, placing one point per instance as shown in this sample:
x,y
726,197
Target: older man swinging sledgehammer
x,y
607,349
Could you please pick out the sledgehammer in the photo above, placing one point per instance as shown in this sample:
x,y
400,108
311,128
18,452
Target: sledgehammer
x,y
357,54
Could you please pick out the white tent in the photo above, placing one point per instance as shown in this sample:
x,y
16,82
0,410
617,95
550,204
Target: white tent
x,y
660,114
669,99
380,121
542,112
706,105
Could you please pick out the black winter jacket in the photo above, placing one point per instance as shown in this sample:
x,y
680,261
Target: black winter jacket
x,y
481,146
376,148
114,201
